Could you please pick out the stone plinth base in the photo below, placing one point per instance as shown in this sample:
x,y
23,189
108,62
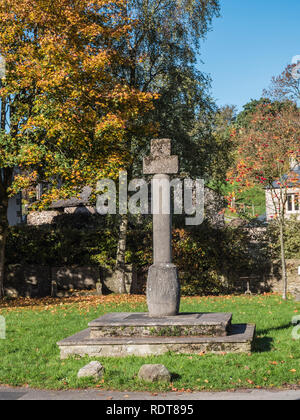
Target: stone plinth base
x,y
142,325
239,341
119,335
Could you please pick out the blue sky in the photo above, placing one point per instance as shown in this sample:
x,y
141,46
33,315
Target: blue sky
x,y
252,41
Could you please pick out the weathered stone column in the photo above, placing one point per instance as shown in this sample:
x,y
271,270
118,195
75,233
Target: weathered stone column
x,y
162,224
163,288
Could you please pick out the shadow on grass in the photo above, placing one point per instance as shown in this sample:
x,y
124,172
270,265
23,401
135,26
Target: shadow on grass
x,y
278,328
262,345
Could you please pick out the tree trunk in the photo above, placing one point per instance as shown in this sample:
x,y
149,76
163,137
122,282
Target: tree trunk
x,y
283,261
120,260
3,113
3,236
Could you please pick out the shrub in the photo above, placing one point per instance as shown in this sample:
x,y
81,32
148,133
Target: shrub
x,y
209,260
291,239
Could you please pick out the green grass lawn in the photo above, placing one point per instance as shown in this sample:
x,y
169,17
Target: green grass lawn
x,y
254,199
29,355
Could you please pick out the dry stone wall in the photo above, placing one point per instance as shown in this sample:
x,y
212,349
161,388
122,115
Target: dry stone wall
x,y
41,281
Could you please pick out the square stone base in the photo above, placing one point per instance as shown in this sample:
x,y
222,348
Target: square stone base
x,y
157,336
142,325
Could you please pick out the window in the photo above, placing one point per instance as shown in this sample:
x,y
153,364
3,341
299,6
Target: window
x,y
293,203
290,202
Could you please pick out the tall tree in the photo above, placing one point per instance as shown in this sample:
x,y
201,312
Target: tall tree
x,y
221,149
167,36
64,115
265,147
286,86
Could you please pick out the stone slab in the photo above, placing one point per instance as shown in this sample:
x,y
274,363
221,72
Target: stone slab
x,y
239,340
161,147
143,319
141,324
160,165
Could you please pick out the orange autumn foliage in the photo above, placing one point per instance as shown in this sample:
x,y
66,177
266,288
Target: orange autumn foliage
x,y
71,110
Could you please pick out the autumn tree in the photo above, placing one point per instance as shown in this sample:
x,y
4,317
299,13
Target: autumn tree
x,y
65,110
245,117
265,148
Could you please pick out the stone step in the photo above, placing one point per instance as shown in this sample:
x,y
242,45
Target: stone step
x,y
141,325
239,340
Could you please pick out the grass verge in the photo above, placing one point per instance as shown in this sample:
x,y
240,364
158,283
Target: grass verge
x,y
29,355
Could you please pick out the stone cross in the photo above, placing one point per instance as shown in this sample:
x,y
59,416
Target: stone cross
x,y
163,289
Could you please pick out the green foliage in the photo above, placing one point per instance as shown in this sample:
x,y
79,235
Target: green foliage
x,y
291,238
168,35
272,108
212,260
208,259
250,199
60,246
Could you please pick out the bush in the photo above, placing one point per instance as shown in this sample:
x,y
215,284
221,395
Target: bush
x,y
212,260
55,246
291,239
209,260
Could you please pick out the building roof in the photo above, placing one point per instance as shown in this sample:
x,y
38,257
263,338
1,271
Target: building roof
x,y
292,177
74,202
